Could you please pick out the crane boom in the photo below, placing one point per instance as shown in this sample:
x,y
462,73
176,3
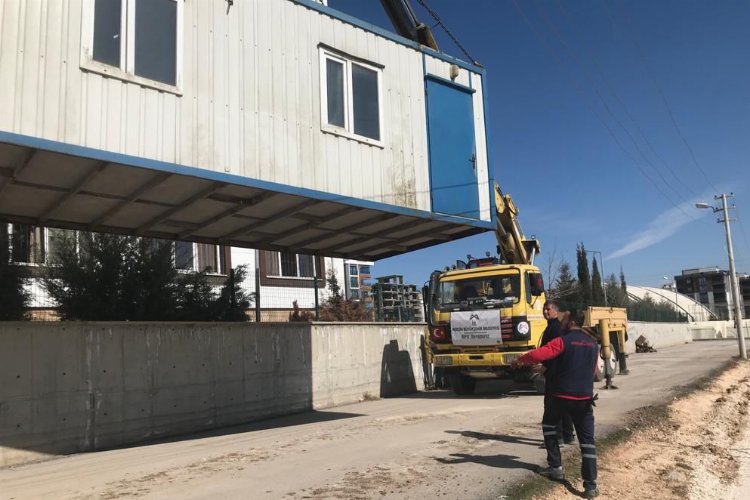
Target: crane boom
x,y
512,245
405,22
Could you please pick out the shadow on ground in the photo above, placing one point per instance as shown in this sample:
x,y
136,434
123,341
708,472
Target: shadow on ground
x,y
499,437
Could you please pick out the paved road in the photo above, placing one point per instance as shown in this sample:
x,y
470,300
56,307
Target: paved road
x,y
427,444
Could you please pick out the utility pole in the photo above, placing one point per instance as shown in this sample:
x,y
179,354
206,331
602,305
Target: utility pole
x,y
732,273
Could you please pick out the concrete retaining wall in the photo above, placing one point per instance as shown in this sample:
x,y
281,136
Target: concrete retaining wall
x,y
666,334
658,334
69,387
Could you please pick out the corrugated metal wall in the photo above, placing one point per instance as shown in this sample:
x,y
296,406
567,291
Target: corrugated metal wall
x,y
250,102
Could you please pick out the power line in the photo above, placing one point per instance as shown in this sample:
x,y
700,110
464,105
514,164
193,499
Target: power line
x,y
437,19
633,36
592,83
604,123
611,90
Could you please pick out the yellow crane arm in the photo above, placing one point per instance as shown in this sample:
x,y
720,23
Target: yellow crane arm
x,y
512,245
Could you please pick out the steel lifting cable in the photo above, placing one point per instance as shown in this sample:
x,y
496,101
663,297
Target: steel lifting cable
x,y
440,23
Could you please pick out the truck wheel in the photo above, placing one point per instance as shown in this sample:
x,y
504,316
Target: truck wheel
x,y
462,384
599,373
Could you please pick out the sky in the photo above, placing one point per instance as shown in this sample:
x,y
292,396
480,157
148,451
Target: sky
x,y
608,121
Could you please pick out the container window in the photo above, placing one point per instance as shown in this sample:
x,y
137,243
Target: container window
x,y
351,97
335,90
366,106
107,31
136,40
156,40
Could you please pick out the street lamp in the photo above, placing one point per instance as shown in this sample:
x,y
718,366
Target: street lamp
x,y
732,273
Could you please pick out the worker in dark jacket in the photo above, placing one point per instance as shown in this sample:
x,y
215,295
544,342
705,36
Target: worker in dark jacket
x,y
572,392
554,329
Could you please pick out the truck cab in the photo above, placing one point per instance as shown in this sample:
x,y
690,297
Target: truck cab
x,y
482,317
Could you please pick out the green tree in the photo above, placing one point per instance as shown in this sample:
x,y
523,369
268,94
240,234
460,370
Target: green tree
x,y
615,295
623,284
565,290
195,297
151,284
648,309
13,296
597,290
339,308
233,301
107,277
86,278
584,278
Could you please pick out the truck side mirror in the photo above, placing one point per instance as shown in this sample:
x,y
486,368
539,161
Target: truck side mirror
x,y
537,284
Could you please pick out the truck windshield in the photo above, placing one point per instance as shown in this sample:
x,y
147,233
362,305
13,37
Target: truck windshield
x,y
483,292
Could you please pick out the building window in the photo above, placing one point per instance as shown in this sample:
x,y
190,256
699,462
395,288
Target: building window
x,y
351,97
286,269
137,40
364,269
28,245
183,255
189,256
294,265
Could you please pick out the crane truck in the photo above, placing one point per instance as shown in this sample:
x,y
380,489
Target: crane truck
x,y
487,312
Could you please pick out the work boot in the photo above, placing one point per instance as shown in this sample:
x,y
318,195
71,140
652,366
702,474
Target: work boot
x,y
554,473
591,492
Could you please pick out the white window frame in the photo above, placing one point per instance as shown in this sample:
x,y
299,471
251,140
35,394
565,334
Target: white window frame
x,y
298,277
126,71
347,131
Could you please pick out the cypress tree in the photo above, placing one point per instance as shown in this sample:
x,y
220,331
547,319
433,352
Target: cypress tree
x,y
584,278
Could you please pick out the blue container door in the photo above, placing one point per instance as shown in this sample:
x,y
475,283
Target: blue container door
x,y
453,173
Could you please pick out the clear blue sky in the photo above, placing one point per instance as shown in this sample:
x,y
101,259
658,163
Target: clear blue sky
x,y
608,121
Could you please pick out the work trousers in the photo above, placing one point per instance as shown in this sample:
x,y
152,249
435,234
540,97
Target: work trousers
x,y
582,414
564,425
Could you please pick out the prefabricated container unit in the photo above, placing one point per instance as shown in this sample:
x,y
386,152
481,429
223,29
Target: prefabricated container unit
x,y
279,124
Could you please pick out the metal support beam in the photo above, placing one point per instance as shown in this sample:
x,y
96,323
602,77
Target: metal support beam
x,y
278,216
94,171
147,186
17,170
361,224
432,233
226,213
186,203
316,219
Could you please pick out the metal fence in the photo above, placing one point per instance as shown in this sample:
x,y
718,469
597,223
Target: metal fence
x,y
261,303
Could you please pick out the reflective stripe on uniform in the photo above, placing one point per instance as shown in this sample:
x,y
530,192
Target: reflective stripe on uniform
x,y
550,433
585,455
584,445
549,426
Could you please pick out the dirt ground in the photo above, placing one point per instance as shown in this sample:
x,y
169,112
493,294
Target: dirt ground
x,y
682,450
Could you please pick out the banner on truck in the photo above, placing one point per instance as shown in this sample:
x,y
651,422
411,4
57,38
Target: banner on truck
x,y
476,327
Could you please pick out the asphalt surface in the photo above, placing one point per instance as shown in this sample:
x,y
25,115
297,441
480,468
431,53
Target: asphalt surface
x,y
430,444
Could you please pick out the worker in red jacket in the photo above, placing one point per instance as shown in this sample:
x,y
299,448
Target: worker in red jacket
x,y
572,392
